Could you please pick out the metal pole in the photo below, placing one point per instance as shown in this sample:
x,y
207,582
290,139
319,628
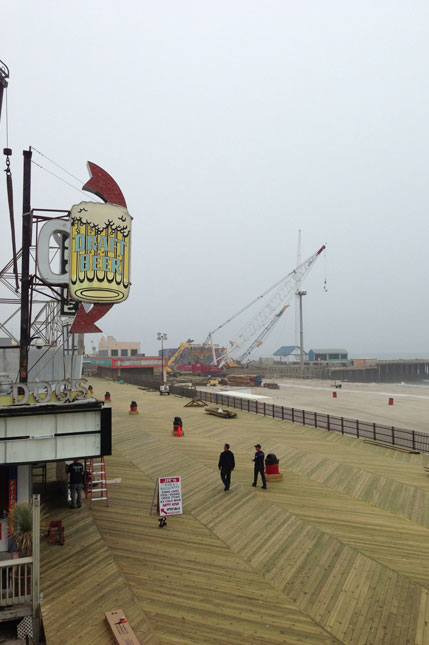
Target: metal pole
x,y
36,568
162,359
25,269
301,332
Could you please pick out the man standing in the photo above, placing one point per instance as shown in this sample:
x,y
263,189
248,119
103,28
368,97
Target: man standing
x,y
75,471
259,466
226,465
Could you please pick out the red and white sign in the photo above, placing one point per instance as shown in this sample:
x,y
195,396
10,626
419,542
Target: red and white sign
x,y
170,495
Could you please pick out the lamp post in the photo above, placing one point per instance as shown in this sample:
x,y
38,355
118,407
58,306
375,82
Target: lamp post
x,y
162,336
301,330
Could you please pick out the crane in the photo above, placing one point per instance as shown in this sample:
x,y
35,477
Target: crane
x,y
177,354
281,292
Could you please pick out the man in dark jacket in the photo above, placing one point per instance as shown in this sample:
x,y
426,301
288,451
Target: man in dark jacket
x,y
75,471
226,465
259,466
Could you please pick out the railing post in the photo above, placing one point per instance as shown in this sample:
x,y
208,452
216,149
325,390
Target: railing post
x,y
414,440
273,412
374,431
315,419
265,406
35,577
283,412
256,407
357,428
393,436
329,422
293,415
342,425
248,405
303,417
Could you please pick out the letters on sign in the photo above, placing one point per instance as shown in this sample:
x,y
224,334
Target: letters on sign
x,y
64,391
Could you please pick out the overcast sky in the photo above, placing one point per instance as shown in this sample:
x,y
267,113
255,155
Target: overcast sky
x,y
230,126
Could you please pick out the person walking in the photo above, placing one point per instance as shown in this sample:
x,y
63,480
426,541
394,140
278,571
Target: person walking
x,y
75,471
226,465
259,466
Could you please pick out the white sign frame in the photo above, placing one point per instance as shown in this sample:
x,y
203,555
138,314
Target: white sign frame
x,y
170,496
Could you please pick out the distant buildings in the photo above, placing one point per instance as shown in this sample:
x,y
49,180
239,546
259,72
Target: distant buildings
x,y
110,348
290,353
329,355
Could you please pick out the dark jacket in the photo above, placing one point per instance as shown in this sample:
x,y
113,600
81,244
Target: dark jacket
x,y
226,460
76,472
259,460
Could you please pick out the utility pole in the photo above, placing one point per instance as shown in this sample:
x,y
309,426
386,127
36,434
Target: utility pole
x,y
301,332
25,269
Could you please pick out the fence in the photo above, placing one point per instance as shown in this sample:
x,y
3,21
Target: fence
x,y
15,581
403,438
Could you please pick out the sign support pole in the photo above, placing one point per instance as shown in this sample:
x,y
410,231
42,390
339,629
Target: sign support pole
x,y
25,269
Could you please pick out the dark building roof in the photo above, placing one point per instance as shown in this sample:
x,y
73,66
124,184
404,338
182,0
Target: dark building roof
x,y
285,350
329,351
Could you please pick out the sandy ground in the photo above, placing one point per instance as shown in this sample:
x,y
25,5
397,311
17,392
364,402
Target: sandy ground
x,y
363,401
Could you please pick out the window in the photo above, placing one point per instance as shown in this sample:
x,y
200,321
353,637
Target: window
x,y
103,352
124,352
133,352
114,352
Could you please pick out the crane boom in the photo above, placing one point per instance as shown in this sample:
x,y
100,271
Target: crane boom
x,y
282,293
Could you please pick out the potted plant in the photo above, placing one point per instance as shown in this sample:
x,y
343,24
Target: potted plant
x,y
22,517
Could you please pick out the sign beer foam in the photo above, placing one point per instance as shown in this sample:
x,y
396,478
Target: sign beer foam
x,y
99,252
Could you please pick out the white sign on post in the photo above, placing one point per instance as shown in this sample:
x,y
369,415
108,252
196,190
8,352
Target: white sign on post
x,y
170,495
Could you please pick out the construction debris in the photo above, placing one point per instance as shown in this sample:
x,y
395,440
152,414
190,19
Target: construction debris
x,y
195,403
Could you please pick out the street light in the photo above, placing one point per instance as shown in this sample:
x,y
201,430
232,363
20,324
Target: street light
x,y
162,336
301,332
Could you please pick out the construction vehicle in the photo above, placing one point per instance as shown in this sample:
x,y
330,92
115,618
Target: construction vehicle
x,y
213,382
260,325
177,354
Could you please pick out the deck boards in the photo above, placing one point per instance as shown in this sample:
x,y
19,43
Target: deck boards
x,y
337,552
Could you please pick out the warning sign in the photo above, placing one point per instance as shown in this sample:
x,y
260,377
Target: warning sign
x,y
170,495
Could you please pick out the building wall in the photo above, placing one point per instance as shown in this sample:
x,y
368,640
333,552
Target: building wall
x,y
111,347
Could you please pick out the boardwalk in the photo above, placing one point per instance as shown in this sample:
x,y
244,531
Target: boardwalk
x,y
338,552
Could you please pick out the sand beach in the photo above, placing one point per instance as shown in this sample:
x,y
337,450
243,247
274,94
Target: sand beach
x,y
362,401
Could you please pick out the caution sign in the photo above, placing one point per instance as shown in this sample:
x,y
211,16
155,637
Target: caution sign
x,y
170,495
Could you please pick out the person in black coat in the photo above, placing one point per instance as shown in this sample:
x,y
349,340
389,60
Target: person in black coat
x,y
226,465
259,466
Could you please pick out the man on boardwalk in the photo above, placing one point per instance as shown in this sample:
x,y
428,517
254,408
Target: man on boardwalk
x,y
226,465
75,471
259,466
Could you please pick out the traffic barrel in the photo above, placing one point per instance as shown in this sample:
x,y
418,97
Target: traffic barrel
x,y
390,400
334,395
107,397
133,408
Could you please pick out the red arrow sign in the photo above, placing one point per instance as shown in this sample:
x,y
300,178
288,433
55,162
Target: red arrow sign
x,y
83,322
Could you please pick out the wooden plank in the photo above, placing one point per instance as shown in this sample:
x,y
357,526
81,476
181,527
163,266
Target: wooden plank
x,y
121,630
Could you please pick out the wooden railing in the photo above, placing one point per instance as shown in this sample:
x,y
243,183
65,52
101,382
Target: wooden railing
x,y
15,581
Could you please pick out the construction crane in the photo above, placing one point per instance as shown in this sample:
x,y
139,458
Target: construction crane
x,y
282,293
177,354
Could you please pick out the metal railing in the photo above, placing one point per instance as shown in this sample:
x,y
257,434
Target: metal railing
x,y
411,439
15,581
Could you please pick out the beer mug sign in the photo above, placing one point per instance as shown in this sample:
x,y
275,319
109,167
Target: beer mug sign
x,y
99,253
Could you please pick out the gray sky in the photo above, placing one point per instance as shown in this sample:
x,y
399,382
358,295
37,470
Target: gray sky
x,y
229,126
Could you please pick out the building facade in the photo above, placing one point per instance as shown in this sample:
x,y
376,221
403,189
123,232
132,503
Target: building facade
x,y
111,348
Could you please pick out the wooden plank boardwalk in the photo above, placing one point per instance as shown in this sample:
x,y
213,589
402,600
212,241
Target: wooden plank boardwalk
x,y
337,552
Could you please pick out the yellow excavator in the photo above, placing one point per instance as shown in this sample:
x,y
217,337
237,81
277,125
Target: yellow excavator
x,y
177,354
